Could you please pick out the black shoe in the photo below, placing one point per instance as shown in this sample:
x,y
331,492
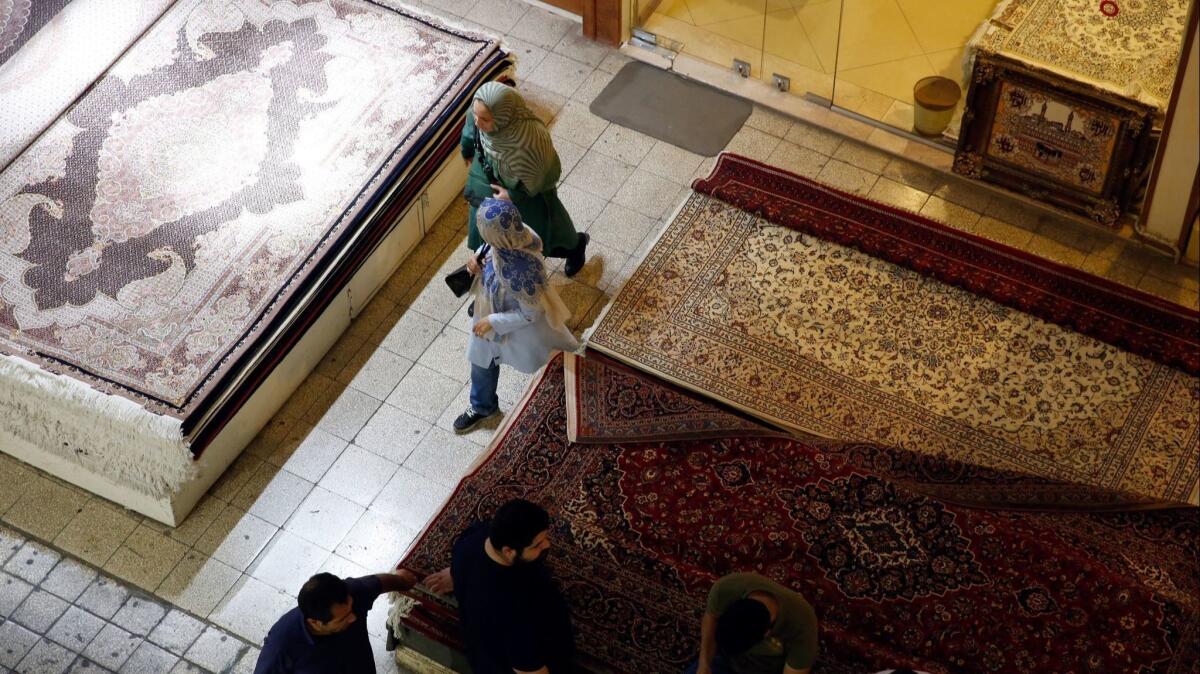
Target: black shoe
x,y
469,420
471,309
578,257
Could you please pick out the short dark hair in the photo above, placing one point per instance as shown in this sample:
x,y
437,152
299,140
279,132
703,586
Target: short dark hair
x,y
742,625
517,523
319,594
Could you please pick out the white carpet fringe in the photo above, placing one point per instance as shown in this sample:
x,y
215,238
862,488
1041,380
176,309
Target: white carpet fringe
x,y
104,434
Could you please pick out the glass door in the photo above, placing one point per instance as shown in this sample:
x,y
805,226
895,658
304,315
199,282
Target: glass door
x,y
889,47
795,40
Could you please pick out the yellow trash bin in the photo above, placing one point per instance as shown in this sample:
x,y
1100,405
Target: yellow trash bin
x,y
934,98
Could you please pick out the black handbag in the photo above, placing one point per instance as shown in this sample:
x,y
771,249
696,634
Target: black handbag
x,y
460,279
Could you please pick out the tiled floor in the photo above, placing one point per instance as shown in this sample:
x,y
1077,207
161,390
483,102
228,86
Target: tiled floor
x,y
362,455
877,48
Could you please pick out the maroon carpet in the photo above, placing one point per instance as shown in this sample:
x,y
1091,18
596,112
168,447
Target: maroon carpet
x,y
1133,320
897,578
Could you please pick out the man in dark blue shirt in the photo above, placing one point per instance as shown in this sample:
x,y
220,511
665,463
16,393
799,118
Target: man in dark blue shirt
x,y
514,618
327,632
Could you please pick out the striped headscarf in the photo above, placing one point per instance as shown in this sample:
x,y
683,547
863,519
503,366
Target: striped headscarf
x,y
520,147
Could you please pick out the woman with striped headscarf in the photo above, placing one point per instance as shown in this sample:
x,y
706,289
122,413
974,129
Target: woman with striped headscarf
x,y
511,157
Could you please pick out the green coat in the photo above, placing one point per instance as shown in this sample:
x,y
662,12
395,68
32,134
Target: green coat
x,y
543,212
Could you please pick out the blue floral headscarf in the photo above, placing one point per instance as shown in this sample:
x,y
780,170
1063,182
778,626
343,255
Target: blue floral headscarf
x,y
515,267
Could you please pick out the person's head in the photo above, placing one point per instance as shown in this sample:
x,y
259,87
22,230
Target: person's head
x,y
744,623
499,224
495,105
520,531
326,604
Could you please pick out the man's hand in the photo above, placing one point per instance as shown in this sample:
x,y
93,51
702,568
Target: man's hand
x,y
398,580
498,192
482,327
441,582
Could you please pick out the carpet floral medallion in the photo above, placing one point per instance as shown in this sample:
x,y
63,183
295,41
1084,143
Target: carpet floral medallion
x,y
829,340
642,529
152,233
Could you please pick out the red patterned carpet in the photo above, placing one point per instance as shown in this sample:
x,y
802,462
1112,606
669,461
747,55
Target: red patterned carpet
x,y
1130,319
897,577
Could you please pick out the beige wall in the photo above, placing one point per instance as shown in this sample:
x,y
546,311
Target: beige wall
x,y
1181,157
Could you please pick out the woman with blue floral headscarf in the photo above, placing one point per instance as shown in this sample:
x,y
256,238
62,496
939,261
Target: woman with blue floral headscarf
x,y
519,318
510,155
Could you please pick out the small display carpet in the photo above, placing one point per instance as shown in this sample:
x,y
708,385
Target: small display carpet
x,y
786,322
641,530
1128,47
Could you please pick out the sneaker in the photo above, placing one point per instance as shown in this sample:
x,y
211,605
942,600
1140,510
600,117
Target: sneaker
x,y
469,420
578,257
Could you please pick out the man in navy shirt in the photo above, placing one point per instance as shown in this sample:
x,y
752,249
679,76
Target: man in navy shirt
x,y
514,618
327,632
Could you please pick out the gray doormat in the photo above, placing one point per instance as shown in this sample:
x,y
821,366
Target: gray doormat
x,y
682,112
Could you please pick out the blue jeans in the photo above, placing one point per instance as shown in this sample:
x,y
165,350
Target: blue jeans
x,y
719,665
483,389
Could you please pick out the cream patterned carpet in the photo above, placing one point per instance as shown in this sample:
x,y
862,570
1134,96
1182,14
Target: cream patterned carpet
x,y
828,340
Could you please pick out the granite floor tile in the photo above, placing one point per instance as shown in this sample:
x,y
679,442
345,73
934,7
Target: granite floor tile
x,y
621,228
375,372
33,562
623,144
543,28
149,659
576,123
393,433
359,475
215,650
112,646
376,542
46,657
15,643
600,175
104,597
447,355
798,159
273,494
648,194
443,457
236,538
324,518
69,579
287,562
896,194
177,632
559,74
145,558
843,176
410,499
39,611
13,592
248,611
45,507
348,413
198,583
499,16
139,615
422,393
96,532
75,629
309,453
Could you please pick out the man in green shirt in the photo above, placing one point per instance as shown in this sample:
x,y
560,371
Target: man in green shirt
x,y
753,625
